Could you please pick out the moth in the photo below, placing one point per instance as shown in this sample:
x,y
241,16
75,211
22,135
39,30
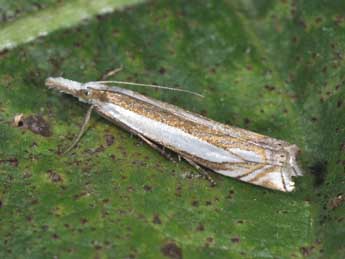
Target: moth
x,y
247,156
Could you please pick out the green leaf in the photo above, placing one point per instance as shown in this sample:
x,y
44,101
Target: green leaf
x,y
274,67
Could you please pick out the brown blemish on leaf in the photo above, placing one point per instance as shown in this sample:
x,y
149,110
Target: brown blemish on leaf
x,y
339,103
319,171
318,20
156,219
12,161
342,147
54,177
109,139
230,194
34,123
98,247
162,70
147,188
235,240
246,121
83,221
178,191
3,53
209,241
270,88
208,203
336,202
106,200
29,218
171,250
306,251
200,227
313,119
195,203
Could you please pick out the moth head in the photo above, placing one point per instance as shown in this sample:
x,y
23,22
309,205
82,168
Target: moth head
x,y
65,86
87,92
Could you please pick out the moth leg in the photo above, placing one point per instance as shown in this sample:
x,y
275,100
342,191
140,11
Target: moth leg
x,y
201,171
82,130
156,147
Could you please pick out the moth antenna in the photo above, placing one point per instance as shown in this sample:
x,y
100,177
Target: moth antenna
x,y
111,73
150,85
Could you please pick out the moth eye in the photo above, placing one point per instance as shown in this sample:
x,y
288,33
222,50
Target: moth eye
x,y
86,92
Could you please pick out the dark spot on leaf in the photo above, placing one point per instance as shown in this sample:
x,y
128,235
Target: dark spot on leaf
x,y
230,194
195,203
156,219
302,23
212,70
203,112
55,236
306,251
93,151
313,119
178,191
3,53
335,202
171,250
342,147
200,227
339,103
209,240
12,161
246,121
0,203
83,221
235,240
147,188
318,19
208,203
269,88
54,177
34,202
162,70
27,175
109,139
318,170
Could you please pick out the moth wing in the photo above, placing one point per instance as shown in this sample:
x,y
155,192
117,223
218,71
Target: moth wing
x,y
265,175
